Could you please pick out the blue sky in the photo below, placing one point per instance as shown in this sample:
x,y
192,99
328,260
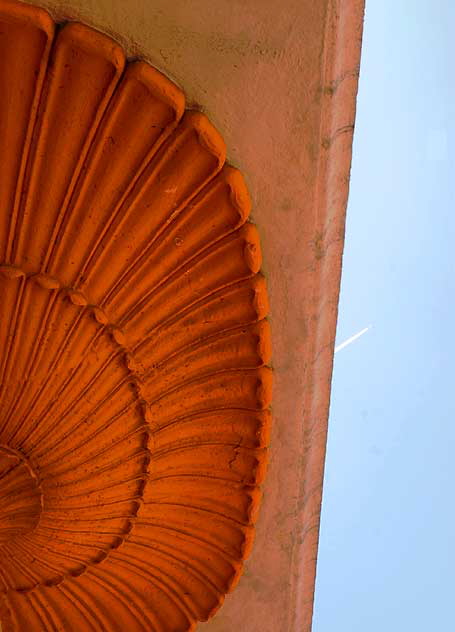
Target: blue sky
x,y
387,552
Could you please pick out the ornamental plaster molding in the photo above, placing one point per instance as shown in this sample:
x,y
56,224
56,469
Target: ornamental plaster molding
x,y
134,347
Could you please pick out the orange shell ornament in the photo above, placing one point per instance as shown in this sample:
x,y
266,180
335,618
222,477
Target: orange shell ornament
x,y
134,385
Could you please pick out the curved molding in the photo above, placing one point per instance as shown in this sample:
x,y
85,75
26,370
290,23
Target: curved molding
x,y
134,350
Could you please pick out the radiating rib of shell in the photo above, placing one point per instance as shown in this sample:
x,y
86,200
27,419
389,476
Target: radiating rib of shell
x,y
134,350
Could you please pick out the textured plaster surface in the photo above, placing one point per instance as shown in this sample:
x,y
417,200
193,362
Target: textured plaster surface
x,y
279,82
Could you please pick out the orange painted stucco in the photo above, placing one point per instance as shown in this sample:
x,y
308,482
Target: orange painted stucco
x,y
134,348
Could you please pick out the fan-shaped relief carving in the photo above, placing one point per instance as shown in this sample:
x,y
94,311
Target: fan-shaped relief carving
x,y
134,387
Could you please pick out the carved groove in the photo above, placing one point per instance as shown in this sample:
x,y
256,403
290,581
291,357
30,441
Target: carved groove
x,y
134,350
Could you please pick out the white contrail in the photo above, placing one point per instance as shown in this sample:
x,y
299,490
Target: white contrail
x,y
351,339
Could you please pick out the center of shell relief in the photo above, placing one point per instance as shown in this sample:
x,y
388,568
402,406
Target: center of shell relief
x,y
69,404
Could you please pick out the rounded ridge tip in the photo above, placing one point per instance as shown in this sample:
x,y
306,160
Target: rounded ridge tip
x,y
209,137
252,249
99,315
29,13
240,196
254,503
248,542
264,388
212,612
46,281
237,575
260,472
118,336
264,430
93,41
77,298
264,344
159,85
260,298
